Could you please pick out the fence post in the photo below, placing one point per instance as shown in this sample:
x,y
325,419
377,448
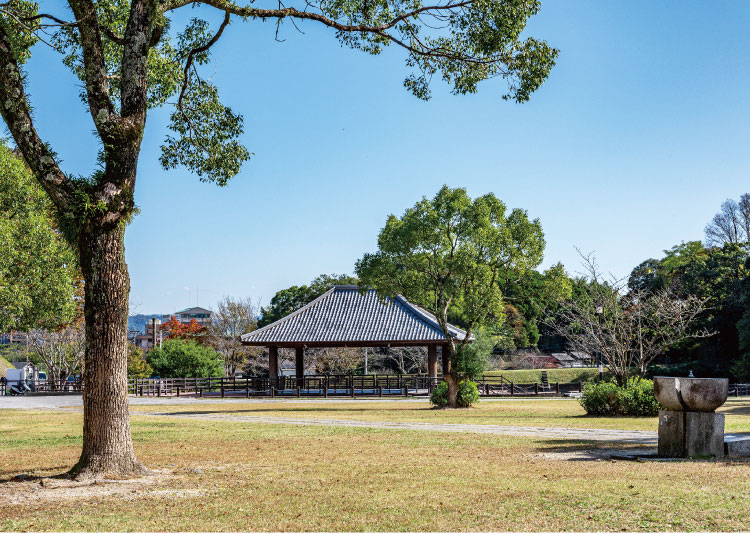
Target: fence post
x,y
222,391
178,391
380,391
557,388
536,388
486,388
580,387
273,392
351,388
298,391
406,391
511,390
325,386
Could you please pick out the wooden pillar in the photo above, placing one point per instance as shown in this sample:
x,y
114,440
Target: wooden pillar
x,y
432,361
273,365
299,366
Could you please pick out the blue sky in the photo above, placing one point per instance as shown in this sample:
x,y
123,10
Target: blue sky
x,y
629,148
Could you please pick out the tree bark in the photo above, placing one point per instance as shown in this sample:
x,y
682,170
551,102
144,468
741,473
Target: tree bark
x,y
449,375
107,445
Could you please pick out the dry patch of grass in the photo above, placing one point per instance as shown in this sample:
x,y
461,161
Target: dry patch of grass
x,y
543,412
228,476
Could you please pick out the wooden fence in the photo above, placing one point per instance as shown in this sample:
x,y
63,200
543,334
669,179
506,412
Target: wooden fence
x,y
332,386
312,386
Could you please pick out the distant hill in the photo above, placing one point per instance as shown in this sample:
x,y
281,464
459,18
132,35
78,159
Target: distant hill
x,y
138,321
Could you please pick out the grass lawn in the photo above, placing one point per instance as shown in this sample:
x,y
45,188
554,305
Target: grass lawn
x,y
222,476
532,412
530,376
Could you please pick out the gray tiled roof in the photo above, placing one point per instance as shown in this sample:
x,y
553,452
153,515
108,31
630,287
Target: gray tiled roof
x,y
343,315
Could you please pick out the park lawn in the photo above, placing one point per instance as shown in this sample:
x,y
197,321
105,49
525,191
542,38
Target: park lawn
x,y
229,476
564,376
566,413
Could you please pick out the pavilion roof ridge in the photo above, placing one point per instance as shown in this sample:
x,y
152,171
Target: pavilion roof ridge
x,y
345,315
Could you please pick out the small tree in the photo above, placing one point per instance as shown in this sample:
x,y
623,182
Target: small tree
x,y
192,330
448,255
630,329
731,224
138,367
233,318
60,352
184,358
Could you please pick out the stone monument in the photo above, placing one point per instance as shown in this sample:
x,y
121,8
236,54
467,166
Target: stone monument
x,y
689,425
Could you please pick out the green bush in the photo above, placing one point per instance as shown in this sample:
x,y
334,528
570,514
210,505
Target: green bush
x,y
468,394
184,358
607,398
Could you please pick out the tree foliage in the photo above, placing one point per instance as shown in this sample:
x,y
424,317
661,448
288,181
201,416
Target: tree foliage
x,y
715,275
39,279
191,330
138,367
184,358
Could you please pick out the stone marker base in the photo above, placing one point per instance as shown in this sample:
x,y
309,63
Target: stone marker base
x,y
690,434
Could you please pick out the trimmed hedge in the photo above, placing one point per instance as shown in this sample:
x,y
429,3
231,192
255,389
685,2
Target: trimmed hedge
x,y
607,398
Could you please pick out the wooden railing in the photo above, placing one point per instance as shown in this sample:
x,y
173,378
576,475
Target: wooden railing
x,y
331,385
310,385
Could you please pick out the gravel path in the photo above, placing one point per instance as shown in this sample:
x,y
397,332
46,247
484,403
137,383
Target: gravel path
x,y
582,434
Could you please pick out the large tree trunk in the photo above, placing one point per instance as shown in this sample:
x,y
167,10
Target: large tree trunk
x,y
107,445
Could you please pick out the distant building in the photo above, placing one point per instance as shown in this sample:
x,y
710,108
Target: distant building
x,y
201,315
154,334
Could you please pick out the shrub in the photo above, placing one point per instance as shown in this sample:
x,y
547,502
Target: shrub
x,y
468,394
182,358
638,398
607,398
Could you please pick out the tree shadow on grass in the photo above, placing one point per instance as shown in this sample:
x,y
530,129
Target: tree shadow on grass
x,y
588,451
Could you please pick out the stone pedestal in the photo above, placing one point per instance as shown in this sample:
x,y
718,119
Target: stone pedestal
x,y
685,434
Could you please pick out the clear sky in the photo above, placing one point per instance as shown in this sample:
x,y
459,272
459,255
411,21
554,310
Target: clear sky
x,y
629,148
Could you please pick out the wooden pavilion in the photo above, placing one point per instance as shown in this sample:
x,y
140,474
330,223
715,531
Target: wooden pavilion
x,y
344,317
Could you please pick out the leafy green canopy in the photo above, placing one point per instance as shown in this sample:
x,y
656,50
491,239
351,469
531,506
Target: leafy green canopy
x,y
463,42
38,270
449,254
183,358
713,273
